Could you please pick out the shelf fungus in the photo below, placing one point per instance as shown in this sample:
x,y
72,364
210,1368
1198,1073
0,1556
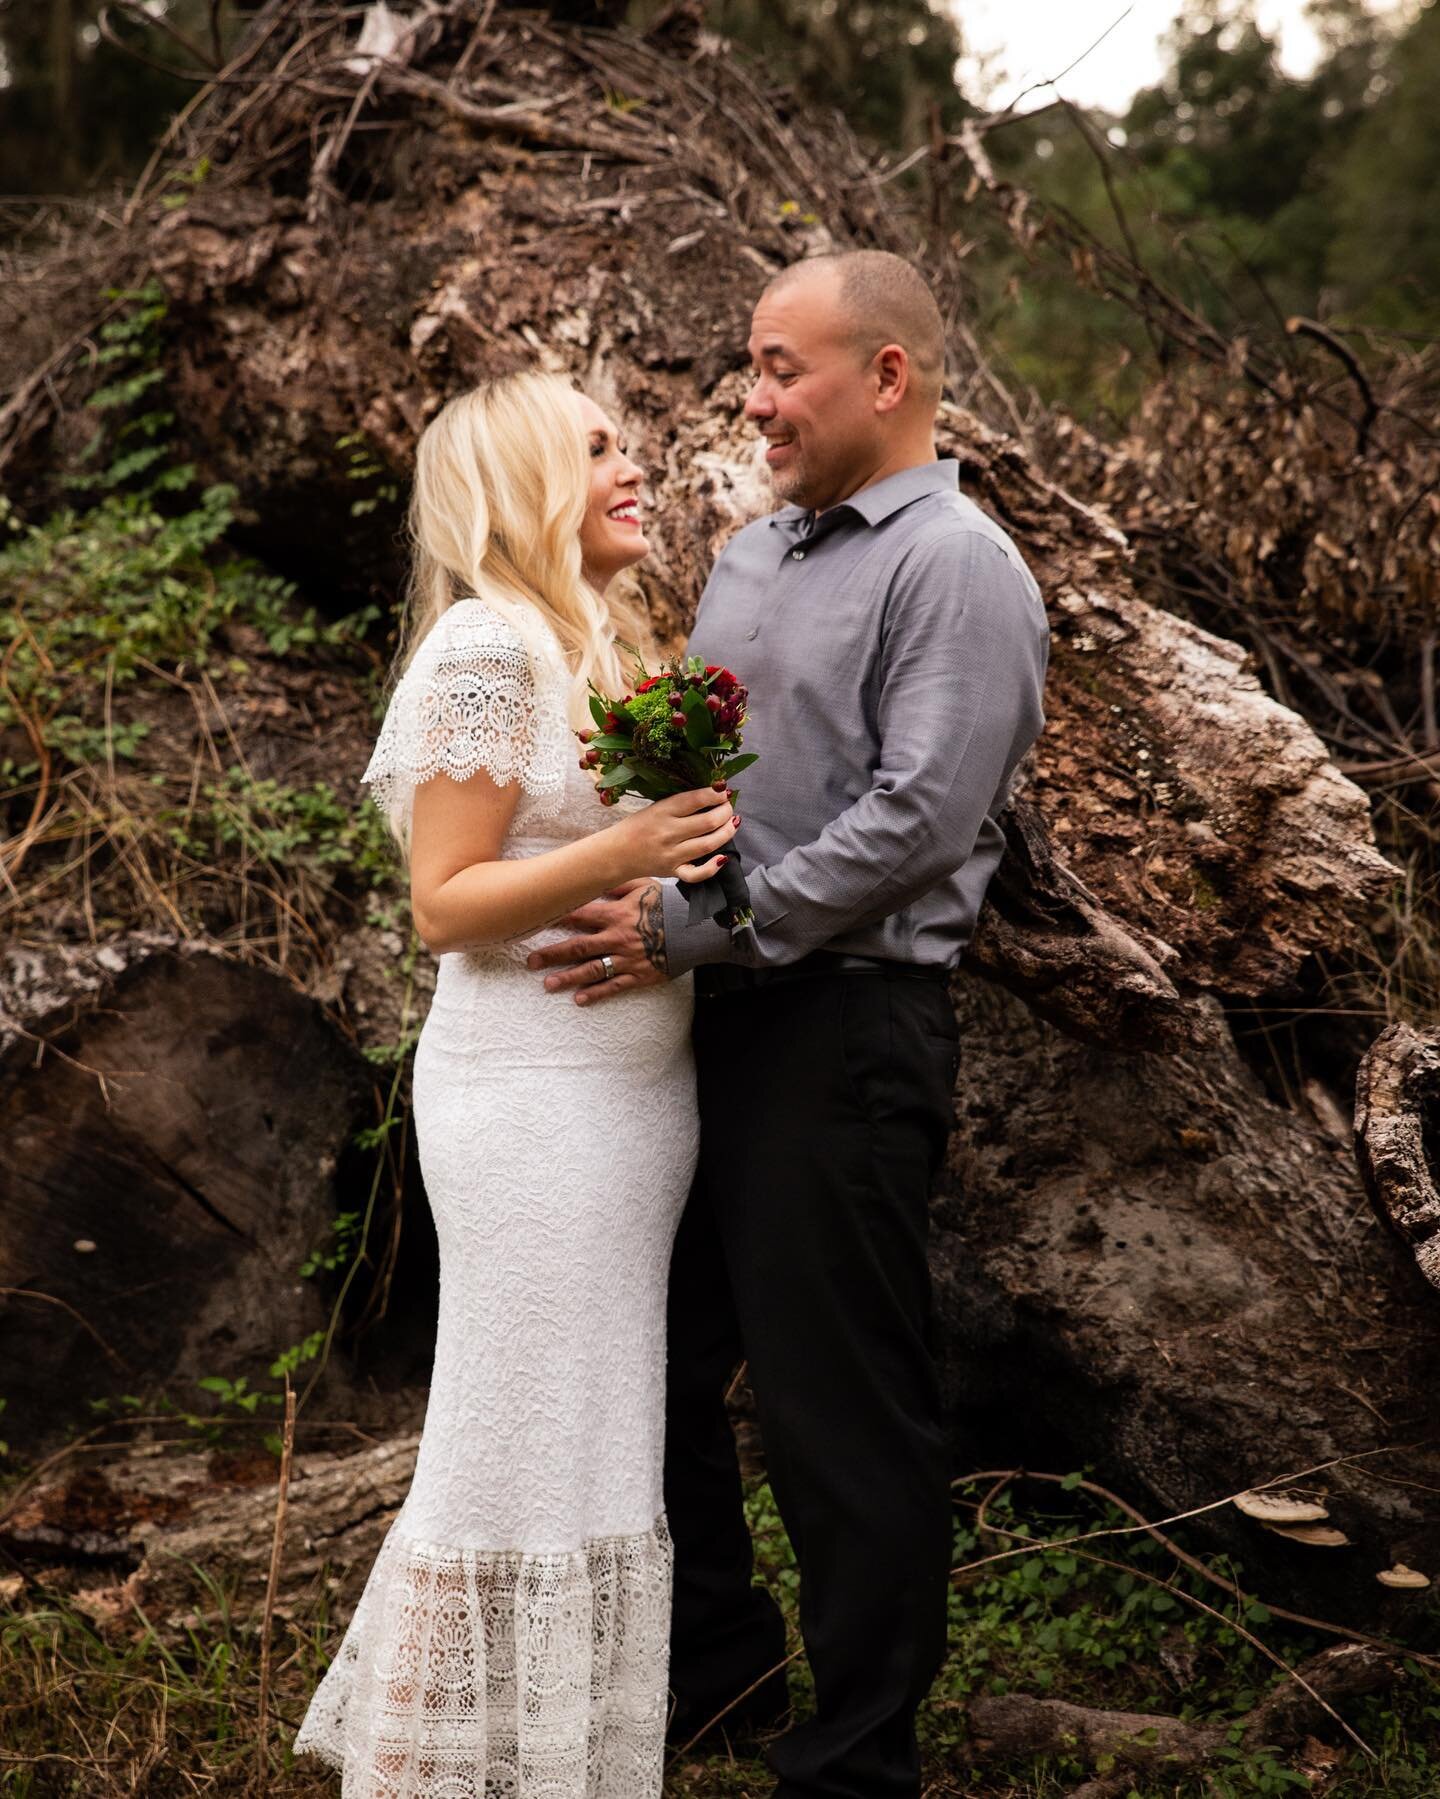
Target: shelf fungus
x,y
1280,1506
1401,1576
1318,1536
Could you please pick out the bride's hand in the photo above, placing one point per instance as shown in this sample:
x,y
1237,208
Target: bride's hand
x,y
685,835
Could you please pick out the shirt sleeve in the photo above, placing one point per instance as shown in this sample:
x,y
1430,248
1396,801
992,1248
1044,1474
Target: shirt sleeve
x,y
964,648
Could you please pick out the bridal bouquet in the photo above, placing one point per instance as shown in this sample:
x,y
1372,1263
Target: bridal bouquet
x,y
679,730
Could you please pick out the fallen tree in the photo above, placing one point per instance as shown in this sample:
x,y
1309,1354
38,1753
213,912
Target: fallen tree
x,y
1143,1257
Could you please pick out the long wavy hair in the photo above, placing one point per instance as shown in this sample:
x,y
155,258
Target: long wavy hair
x,y
502,482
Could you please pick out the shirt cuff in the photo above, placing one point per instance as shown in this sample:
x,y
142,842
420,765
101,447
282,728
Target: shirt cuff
x,y
690,946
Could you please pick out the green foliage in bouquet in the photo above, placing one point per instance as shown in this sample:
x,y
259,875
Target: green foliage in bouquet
x,y
680,729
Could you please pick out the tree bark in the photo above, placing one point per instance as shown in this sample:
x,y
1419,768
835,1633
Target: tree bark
x,y
1142,1257
172,1128
1397,1116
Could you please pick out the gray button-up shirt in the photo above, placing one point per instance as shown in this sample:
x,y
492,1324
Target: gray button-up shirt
x,y
895,649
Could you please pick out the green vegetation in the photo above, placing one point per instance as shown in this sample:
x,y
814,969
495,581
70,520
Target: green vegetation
x,y
1248,194
138,655
104,1698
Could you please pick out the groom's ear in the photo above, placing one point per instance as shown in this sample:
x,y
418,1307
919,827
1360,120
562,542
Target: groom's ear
x,y
892,371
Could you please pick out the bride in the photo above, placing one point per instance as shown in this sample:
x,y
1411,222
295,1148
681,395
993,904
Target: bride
x,y
512,1637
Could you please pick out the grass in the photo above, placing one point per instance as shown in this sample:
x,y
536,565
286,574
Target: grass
x,y
104,1706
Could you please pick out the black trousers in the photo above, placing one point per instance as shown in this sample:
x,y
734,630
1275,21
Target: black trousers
x,y
825,1105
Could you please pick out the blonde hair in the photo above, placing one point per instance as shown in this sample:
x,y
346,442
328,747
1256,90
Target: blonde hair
x,y
502,482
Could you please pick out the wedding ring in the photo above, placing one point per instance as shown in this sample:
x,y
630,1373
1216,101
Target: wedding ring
x,y
608,966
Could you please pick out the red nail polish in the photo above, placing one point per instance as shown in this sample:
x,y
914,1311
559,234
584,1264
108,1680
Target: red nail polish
x,y
737,821
724,860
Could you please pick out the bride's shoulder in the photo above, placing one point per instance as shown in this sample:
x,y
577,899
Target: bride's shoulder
x,y
473,625
474,621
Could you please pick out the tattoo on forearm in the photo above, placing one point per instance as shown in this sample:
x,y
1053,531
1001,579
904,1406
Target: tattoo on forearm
x,y
652,926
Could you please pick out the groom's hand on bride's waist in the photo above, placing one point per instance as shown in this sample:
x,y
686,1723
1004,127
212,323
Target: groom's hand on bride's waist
x,y
621,945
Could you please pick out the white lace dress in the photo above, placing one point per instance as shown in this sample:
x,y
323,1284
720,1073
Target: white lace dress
x,y
511,1641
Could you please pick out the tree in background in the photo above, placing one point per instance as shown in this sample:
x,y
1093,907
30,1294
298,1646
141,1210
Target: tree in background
x,y
1237,141
76,111
1383,259
1249,193
883,63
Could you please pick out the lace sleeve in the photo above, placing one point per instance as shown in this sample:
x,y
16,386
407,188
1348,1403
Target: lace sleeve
x,y
475,697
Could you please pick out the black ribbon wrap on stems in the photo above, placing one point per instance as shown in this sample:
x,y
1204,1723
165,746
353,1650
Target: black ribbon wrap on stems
x,y
723,896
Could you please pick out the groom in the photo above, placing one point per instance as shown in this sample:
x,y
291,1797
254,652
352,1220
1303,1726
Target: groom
x,y
895,646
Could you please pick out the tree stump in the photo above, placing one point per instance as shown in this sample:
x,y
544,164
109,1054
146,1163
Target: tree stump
x,y
171,1127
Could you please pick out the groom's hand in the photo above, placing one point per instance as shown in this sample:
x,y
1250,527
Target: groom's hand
x,y
628,925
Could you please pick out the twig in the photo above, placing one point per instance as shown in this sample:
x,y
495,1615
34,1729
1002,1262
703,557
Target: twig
x,y
17,1493
322,1360
143,16
1299,327
725,1712
12,412
277,1544
334,147
1270,1655
112,1356
107,31
262,28
1070,67
1190,1599
1002,1478
482,25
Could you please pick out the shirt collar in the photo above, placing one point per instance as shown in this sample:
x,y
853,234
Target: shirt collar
x,y
883,499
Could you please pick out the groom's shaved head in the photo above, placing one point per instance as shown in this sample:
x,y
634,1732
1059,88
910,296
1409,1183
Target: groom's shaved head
x,y
883,300
848,354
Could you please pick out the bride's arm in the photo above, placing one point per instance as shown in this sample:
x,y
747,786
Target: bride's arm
x,y
462,893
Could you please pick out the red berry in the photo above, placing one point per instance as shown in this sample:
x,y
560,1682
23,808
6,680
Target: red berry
x,y
678,720
584,736
593,758
714,702
675,698
611,722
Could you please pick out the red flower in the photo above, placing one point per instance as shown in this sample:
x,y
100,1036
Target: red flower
x,y
654,681
724,681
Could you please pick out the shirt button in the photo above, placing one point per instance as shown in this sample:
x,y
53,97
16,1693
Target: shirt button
x,y
750,636
799,555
